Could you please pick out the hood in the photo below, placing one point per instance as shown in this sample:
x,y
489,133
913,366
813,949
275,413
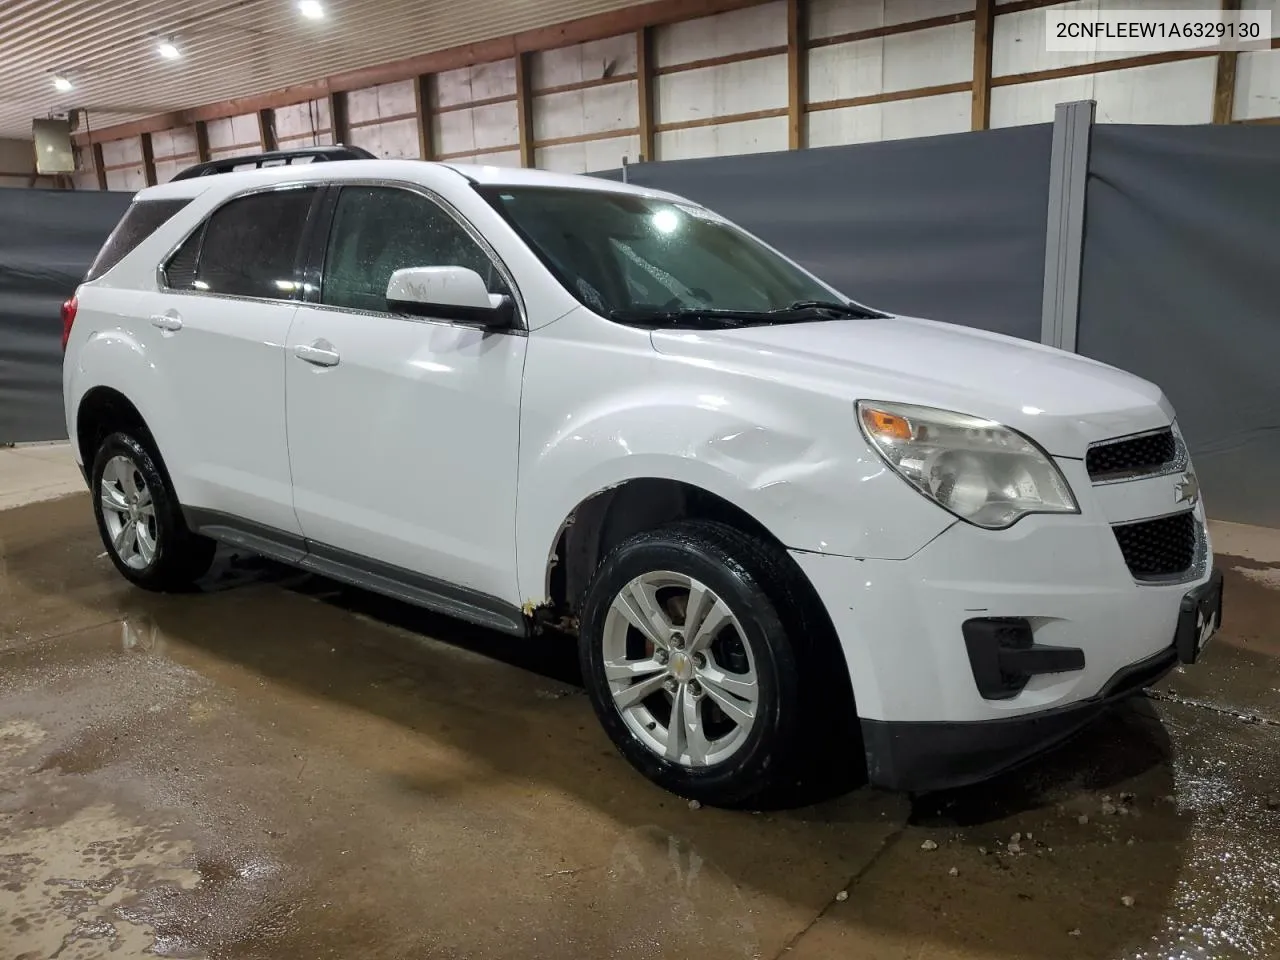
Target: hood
x,y
1062,401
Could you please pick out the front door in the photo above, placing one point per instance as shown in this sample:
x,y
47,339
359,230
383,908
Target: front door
x,y
404,431
220,346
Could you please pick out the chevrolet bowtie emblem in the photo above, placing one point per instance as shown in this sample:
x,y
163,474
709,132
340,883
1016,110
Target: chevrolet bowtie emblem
x,y
1187,489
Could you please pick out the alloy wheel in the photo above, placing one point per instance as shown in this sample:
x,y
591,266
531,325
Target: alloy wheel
x,y
129,513
679,669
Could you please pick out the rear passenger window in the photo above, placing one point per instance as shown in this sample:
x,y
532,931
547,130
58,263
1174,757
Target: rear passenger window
x,y
250,246
141,220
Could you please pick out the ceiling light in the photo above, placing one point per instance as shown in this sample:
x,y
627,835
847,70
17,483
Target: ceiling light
x,y
311,9
169,50
62,84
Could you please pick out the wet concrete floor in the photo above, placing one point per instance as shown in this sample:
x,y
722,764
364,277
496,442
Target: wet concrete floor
x,y
282,768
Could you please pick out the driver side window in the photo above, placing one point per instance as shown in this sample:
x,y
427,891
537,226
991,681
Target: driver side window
x,y
379,230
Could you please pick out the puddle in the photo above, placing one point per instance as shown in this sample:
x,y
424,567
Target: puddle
x,y
67,888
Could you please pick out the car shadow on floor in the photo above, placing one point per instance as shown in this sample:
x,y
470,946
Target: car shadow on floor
x,y
1123,743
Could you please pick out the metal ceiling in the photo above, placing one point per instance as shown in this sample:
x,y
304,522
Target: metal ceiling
x,y
231,48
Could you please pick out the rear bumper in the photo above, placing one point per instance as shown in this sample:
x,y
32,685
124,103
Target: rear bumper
x,y
922,756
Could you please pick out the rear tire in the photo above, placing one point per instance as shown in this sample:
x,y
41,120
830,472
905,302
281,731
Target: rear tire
x,y
140,520
700,615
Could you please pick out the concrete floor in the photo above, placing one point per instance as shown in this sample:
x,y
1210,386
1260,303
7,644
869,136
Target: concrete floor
x,y
278,767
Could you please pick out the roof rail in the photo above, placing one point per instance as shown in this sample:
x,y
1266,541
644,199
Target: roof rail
x,y
274,158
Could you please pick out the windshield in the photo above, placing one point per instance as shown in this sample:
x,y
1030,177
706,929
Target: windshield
x,y
634,258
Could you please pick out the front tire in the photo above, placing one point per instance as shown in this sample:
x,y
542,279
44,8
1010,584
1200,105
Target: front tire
x,y
141,521
690,664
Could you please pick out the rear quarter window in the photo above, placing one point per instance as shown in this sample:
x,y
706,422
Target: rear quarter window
x,y
141,220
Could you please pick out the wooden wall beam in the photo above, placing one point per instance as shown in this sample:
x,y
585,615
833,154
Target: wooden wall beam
x,y
524,108
99,166
1101,66
983,27
797,63
338,117
1224,84
202,141
893,29
644,86
422,107
890,97
267,129
148,160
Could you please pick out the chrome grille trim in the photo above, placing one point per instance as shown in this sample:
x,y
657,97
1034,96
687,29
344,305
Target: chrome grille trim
x,y
1181,459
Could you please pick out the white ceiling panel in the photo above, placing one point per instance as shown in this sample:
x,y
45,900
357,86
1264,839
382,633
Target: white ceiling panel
x,y
231,48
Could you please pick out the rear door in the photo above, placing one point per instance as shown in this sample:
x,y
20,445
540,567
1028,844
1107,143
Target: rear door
x,y
222,318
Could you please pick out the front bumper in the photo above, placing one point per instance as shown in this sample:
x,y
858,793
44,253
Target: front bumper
x,y
922,756
926,723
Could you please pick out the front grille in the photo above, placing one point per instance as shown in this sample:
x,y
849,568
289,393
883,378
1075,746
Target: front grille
x,y
1154,549
1134,455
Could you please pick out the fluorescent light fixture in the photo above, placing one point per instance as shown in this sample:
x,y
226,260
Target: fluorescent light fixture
x,y
311,9
169,50
62,84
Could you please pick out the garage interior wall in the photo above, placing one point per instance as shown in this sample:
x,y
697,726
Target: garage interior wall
x,y
767,77
48,238
18,165
1179,285
950,228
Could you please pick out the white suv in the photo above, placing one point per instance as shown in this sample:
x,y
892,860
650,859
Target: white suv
x,y
772,515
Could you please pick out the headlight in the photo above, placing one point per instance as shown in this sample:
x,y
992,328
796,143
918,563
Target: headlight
x,y
979,470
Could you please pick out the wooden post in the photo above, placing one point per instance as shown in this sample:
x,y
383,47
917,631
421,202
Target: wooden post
x,y
338,118
524,107
267,130
797,55
983,27
99,166
644,86
1224,85
148,160
422,106
202,142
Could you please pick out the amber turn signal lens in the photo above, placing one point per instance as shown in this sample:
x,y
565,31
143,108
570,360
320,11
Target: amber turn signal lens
x,y
886,426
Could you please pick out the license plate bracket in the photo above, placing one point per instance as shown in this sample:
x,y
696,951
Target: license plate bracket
x,y
1199,618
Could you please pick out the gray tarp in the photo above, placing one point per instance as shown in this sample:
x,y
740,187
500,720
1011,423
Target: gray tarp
x,y
951,228
48,238
1181,285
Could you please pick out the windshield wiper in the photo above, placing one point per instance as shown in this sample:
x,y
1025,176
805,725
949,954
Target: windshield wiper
x,y
685,316
802,311
844,309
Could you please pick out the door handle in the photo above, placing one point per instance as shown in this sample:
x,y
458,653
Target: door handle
x,y
166,321
320,353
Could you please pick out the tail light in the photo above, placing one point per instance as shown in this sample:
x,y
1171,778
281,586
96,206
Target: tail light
x,y
68,318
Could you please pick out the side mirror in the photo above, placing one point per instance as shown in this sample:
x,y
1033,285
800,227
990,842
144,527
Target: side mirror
x,y
448,293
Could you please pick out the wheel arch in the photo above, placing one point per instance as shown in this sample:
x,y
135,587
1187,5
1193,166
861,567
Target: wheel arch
x,y
606,517
104,410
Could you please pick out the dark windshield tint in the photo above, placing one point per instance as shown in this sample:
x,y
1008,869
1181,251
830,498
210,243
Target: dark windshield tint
x,y
621,253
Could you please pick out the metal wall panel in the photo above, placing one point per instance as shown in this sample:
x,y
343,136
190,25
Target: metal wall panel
x,y
951,227
48,238
1180,286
